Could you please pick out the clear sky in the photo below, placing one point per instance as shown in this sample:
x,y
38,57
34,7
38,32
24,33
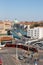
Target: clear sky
x,y
31,10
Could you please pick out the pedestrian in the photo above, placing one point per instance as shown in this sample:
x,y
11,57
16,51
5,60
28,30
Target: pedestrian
x,y
35,62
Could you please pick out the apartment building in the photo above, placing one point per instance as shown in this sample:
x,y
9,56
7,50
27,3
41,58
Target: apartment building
x,y
35,33
4,26
2,31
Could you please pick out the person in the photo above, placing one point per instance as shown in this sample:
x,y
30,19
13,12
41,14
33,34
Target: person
x,y
35,62
36,58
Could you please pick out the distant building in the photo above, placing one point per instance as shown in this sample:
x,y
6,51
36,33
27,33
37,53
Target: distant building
x,y
35,33
4,26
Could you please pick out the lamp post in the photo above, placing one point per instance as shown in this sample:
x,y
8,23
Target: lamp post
x,y
13,27
16,50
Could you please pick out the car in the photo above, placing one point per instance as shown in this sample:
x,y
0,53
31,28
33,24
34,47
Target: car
x,y
20,57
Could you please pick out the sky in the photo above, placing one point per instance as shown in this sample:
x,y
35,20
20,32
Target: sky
x,y
23,10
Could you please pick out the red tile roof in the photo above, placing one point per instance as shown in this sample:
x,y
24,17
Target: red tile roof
x,y
27,23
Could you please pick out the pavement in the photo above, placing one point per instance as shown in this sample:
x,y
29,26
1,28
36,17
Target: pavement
x,y
8,56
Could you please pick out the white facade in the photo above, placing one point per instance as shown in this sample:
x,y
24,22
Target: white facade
x,y
35,33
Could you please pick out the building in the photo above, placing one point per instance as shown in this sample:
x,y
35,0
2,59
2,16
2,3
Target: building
x,y
4,26
35,33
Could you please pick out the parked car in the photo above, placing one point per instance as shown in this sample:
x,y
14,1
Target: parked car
x,y
20,57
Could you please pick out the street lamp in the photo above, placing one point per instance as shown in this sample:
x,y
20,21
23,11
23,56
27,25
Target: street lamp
x,y
13,27
16,50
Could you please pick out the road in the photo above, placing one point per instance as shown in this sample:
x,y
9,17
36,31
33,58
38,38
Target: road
x,y
6,58
9,58
7,55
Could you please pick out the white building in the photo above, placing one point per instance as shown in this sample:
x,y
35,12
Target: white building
x,y
35,33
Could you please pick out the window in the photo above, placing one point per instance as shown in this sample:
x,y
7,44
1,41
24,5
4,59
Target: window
x,y
1,27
